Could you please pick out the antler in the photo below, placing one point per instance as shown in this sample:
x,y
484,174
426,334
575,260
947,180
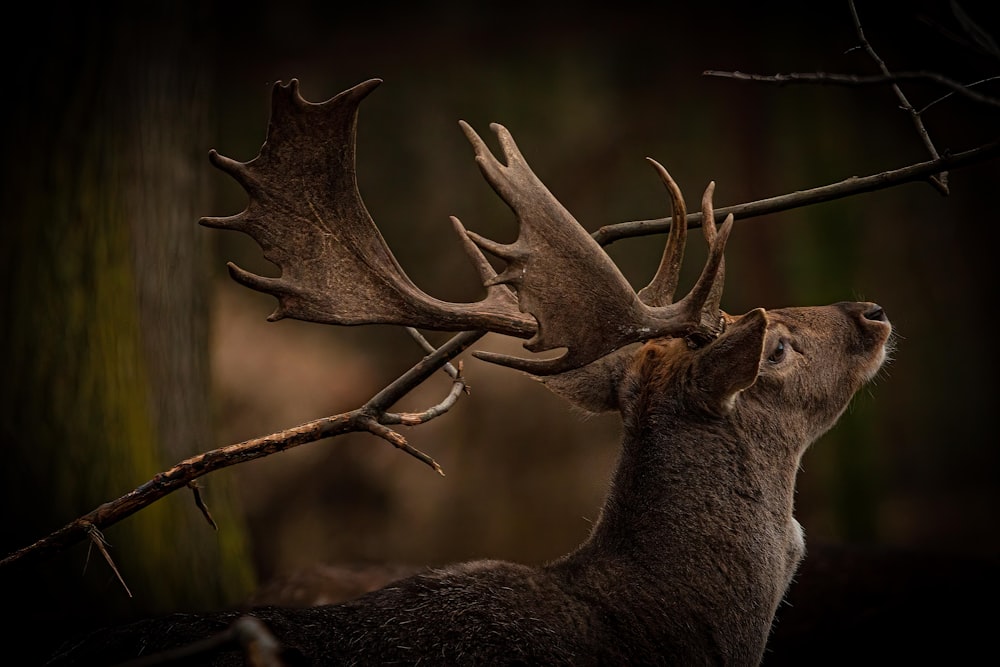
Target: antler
x,y
562,276
306,213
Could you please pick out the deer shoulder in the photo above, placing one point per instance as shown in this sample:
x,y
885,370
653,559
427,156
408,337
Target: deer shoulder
x,y
696,542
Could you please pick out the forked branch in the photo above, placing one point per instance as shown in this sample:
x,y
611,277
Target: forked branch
x,y
887,76
188,470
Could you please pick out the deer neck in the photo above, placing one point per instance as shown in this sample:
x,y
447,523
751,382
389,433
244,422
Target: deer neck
x,y
700,521
702,474
681,482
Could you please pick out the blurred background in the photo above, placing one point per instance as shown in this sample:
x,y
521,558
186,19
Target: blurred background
x,y
129,348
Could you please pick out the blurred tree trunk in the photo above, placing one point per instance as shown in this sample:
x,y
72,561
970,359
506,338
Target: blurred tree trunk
x,y
106,380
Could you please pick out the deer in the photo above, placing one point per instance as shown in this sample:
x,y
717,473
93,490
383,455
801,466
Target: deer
x,y
696,542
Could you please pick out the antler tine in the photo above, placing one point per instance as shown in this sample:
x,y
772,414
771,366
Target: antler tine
x,y
697,302
660,290
708,213
711,318
239,172
486,272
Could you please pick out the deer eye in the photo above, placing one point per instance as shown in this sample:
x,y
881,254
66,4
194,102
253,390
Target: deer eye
x,y
779,352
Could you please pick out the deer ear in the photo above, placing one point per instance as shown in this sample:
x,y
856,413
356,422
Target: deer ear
x,y
594,387
731,363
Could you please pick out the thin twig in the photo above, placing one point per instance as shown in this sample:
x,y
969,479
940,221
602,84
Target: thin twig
x,y
862,80
200,503
965,87
458,387
398,441
430,349
941,180
97,539
427,366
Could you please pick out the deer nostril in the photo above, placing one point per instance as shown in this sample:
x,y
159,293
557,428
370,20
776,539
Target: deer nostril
x,y
876,313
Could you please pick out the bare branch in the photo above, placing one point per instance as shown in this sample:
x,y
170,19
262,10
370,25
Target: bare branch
x,y
398,441
851,186
424,369
458,387
941,180
430,349
964,89
178,477
190,469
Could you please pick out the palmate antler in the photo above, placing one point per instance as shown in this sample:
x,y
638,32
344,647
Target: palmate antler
x,y
306,213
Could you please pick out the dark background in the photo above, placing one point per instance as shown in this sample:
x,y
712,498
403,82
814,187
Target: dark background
x,y
588,94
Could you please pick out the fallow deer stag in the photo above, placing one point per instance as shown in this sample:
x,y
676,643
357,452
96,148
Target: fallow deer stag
x,y
696,542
